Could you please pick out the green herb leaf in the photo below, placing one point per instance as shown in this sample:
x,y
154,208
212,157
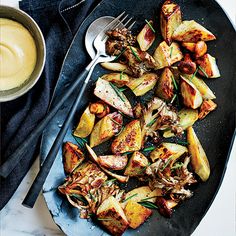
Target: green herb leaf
x,y
130,197
122,128
80,141
92,197
121,75
110,181
149,149
118,56
177,165
150,26
118,92
135,54
148,204
174,97
126,153
137,86
182,142
151,122
194,74
171,51
104,219
122,89
203,71
147,198
166,164
144,168
174,82
79,197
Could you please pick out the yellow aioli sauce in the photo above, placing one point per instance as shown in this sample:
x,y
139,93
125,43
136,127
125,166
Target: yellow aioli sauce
x,y
17,54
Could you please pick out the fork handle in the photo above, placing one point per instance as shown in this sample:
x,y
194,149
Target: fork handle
x,y
37,185
12,161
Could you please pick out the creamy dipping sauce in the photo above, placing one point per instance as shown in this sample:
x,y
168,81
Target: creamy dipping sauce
x,y
17,54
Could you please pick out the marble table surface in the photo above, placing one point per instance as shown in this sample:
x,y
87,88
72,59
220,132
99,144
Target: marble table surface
x,y
16,220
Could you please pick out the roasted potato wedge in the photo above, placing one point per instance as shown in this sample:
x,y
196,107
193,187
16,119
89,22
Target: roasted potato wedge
x,y
191,31
191,96
143,84
112,216
146,37
119,79
199,48
187,117
189,46
136,214
206,107
168,150
115,99
165,86
121,178
208,67
113,162
129,139
165,206
72,156
165,55
116,66
106,128
137,164
201,86
86,124
199,159
170,19
139,194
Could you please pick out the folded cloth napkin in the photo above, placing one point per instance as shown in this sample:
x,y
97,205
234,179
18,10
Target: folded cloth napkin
x,y
59,21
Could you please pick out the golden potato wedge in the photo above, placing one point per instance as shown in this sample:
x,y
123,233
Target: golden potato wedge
x,y
165,55
137,164
202,87
115,66
165,86
187,117
86,124
189,46
99,108
199,159
113,162
121,178
106,128
138,194
119,79
129,139
136,214
168,150
146,37
191,31
112,216
207,66
143,84
199,48
191,96
206,107
72,156
115,99
170,19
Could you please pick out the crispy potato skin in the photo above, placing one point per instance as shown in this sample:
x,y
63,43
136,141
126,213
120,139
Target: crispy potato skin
x,y
165,87
190,94
136,214
115,66
111,209
167,150
136,165
206,107
191,31
146,37
72,156
199,159
129,139
170,19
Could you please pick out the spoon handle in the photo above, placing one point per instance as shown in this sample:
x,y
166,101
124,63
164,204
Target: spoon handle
x,y
8,166
37,185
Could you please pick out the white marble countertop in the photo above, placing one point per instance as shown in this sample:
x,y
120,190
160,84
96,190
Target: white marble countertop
x,y
16,220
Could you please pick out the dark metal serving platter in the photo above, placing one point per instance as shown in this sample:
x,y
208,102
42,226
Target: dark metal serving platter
x,y
215,132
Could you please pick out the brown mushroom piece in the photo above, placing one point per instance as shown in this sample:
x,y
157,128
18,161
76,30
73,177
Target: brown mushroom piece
x,y
187,66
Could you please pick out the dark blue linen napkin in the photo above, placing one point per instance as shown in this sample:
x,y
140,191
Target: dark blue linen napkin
x,y
59,21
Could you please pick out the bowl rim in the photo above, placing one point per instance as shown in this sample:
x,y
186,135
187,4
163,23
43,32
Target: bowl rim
x,y
25,89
